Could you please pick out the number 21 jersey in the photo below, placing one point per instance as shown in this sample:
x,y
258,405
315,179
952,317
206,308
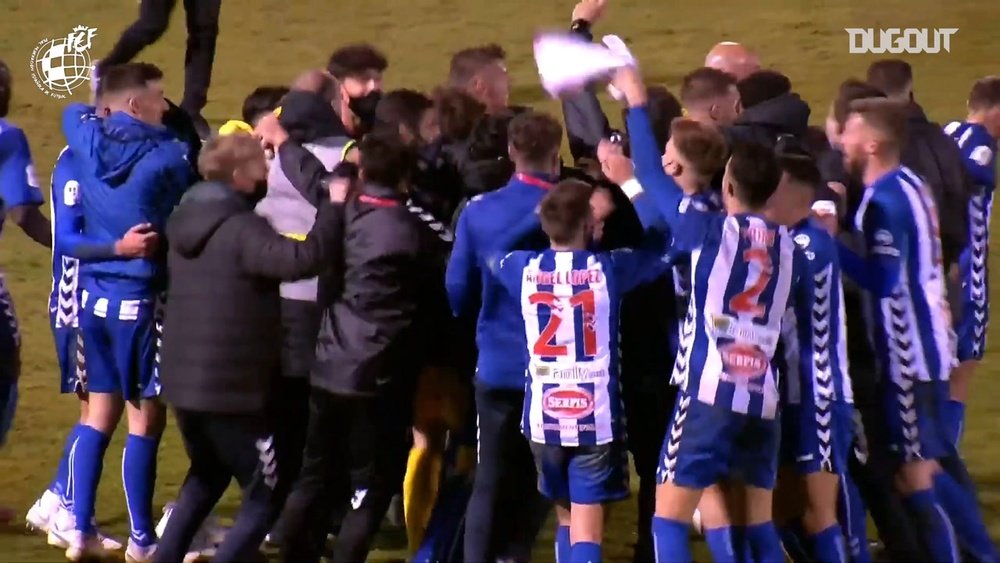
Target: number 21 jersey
x,y
570,302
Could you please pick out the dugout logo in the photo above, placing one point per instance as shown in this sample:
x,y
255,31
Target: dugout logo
x,y
61,65
895,40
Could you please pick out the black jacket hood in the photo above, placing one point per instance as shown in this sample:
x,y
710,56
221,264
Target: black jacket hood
x,y
786,114
203,209
308,116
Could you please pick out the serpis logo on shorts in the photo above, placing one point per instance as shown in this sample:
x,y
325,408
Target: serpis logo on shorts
x,y
743,360
61,65
567,403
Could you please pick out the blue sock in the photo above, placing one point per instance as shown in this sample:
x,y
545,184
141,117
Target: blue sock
x,y
828,546
60,484
764,541
962,509
586,552
933,525
853,518
720,543
139,477
796,542
954,421
670,540
562,545
87,463
741,544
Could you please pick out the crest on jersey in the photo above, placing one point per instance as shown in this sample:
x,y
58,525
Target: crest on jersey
x,y
981,155
71,193
802,240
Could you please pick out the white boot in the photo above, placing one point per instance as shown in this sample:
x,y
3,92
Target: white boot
x,y
41,514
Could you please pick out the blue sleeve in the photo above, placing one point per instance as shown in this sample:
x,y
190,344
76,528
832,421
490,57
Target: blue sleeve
x,y
527,226
79,122
462,277
67,221
663,192
886,244
18,186
981,163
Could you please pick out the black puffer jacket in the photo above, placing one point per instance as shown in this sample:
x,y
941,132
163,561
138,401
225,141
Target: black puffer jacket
x,y
787,114
222,332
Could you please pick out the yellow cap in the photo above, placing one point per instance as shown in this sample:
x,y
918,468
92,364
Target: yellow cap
x,y
234,126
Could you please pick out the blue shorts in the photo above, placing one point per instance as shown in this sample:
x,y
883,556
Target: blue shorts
x,y
120,345
972,320
582,474
914,414
69,353
706,444
815,439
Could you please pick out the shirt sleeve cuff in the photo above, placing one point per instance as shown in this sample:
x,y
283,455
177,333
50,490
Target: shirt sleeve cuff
x,y
632,188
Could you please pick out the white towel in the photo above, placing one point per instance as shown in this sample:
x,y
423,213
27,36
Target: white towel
x,y
567,62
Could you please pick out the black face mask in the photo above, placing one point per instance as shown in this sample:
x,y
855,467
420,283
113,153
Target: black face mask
x,y
364,108
259,191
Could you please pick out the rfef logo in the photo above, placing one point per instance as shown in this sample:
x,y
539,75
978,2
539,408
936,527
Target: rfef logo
x,y
567,403
895,40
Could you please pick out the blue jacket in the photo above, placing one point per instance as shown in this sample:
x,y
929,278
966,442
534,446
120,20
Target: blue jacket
x,y
482,229
130,173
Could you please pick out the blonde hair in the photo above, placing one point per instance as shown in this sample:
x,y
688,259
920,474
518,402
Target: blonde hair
x,y
223,155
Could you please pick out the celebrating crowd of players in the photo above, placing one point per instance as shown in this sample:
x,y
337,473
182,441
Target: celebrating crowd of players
x,y
347,294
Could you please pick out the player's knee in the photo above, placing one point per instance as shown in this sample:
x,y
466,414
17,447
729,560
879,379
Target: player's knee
x,y
675,502
104,411
146,418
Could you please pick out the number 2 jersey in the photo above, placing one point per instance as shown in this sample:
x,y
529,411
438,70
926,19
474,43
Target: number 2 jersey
x,y
570,302
743,270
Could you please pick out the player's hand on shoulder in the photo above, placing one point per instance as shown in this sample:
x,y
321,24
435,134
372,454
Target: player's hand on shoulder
x,y
141,241
589,11
270,131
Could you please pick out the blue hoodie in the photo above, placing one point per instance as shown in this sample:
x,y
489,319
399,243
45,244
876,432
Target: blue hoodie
x,y
482,228
130,173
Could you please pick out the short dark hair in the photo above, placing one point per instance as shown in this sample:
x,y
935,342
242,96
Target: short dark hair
x,y
797,161
263,100
129,76
886,116
755,173
385,159
702,145
565,209
663,108
402,107
892,76
223,155
457,112
352,60
985,93
762,86
6,83
850,90
467,63
705,84
535,136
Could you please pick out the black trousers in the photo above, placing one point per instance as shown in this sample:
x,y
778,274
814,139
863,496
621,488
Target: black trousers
x,y
361,442
649,403
505,511
222,447
203,29
291,422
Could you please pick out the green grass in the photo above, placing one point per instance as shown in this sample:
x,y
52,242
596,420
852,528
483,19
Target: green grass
x,y
270,41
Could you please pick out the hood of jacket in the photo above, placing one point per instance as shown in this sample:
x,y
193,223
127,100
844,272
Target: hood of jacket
x,y
787,113
203,209
308,116
124,142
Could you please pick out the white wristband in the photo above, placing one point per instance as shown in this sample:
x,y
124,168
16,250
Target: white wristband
x,y
632,188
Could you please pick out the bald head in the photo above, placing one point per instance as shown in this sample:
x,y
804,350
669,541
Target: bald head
x,y
734,59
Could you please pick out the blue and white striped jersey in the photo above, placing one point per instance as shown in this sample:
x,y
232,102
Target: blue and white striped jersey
x,y
64,209
743,269
570,301
910,321
979,149
814,332
709,201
